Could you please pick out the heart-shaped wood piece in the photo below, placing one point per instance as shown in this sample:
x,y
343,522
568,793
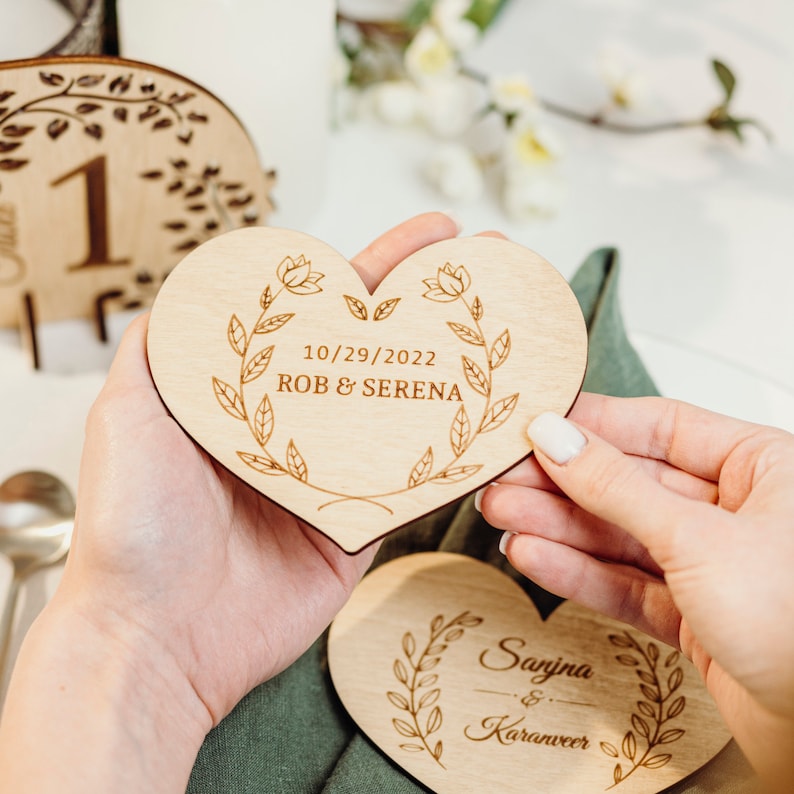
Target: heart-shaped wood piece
x,y
358,412
445,664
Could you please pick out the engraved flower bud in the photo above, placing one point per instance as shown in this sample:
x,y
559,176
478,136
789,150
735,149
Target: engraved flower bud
x,y
296,275
453,281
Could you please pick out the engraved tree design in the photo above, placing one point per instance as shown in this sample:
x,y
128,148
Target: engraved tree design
x,y
420,703
659,681
77,103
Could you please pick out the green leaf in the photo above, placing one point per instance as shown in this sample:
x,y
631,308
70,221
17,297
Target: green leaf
x,y
726,78
483,12
418,14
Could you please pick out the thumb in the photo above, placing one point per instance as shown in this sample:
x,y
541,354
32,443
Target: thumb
x,y
615,487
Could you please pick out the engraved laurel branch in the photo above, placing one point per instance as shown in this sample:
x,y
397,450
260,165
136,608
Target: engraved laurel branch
x,y
423,715
448,286
657,707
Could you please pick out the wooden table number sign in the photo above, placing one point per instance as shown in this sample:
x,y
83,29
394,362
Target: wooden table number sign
x,y
110,171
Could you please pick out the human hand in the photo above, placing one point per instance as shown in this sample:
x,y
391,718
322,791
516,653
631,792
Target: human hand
x,y
184,588
680,522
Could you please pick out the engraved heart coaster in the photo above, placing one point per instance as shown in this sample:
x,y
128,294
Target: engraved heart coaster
x,y
444,662
358,412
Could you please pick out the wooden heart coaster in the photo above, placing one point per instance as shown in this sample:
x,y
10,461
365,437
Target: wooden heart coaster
x,y
445,664
359,412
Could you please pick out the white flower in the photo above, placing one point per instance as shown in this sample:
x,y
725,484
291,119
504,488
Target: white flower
x,y
627,87
529,143
455,172
450,105
429,55
449,18
511,94
395,101
536,193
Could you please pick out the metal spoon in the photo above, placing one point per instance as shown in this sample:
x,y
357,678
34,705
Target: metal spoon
x,y
36,521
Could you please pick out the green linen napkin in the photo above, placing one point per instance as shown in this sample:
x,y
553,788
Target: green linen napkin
x,y
292,736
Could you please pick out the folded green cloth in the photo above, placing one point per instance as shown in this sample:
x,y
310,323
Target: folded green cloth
x,y
292,735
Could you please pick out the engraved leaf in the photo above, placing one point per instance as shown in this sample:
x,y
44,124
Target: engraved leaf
x,y
453,635
273,324
428,663
198,117
672,659
17,130
9,146
57,127
412,748
398,700
235,333
469,621
455,474
477,310
646,709
385,309
120,114
435,649
421,471
151,110
429,698
653,652
409,644
498,413
310,285
187,245
434,721
609,749
438,750
676,707
644,675
6,95
617,773
154,174
93,131
258,364
51,78
9,164
657,761
405,728
240,201
476,377
673,735
651,694
120,84
436,623
262,463
640,726
356,307
676,679
500,350
629,746
460,432
163,124
175,226
263,421
621,641
229,399
400,672
427,680
295,463
266,298
90,80
177,184
466,334
628,661
85,108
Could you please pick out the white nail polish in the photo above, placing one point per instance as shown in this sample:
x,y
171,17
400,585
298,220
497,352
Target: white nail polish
x,y
478,496
503,541
556,437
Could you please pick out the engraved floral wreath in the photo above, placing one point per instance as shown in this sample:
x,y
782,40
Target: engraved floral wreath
x,y
296,276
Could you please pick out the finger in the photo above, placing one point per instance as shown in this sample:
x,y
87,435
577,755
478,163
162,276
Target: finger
x,y
615,487
690,438
556,518
388,250
618,591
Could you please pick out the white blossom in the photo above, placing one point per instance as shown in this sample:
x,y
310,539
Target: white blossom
x,y
511,94
449,18
395,101
429,55
530,143
536,193
450,105
455,172
627,87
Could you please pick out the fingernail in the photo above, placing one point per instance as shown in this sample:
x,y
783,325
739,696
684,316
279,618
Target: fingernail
x,y
454,218
556,437
478,496
503,541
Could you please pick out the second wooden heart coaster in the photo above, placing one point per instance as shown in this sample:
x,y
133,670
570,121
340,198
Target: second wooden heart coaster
x,y
445,664
358,412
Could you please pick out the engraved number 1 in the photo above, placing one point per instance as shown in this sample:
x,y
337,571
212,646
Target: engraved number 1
x,y
95,176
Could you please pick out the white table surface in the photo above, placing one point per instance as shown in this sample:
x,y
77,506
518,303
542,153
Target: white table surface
x,y
705,227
